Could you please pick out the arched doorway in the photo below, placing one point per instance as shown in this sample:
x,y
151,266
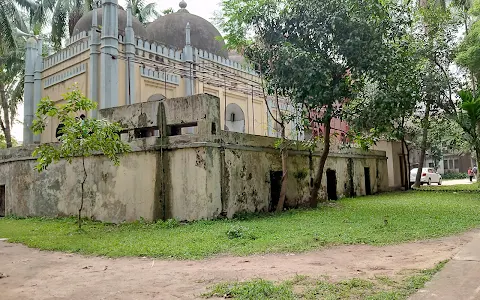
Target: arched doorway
x,y
235,118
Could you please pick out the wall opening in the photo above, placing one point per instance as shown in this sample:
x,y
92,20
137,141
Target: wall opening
x,y
146,132
235,118
181,129
368,187
275,187
331,184
2,201
214,128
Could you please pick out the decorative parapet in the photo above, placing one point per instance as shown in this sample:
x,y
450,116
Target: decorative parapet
x,y
223,61
78,47
145,46
159,75
77,37
72,72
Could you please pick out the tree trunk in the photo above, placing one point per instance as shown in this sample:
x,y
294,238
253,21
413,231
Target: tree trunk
x,y
425,125
284,154
81,203
317,182
407,163
6,120
405,174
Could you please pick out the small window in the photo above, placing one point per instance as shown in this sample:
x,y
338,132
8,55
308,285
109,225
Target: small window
x,y
456,163
450,164
430,165
445,164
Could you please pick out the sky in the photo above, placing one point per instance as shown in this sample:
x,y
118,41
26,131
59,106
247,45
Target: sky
x,y
202,8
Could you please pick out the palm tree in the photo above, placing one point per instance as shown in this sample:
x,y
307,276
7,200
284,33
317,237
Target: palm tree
x,y
12,18
143,11
11,88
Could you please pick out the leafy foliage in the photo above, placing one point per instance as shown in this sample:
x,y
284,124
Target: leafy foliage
x,y
317,54
80,137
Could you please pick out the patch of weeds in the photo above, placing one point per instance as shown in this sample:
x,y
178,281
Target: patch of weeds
x,y
386,280
304,287
240,232
169,224
257,289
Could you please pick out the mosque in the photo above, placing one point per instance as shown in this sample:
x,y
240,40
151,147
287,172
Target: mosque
x,y
115,60
195,116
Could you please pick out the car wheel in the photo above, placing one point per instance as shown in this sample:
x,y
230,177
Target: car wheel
x,y
429,181
440,181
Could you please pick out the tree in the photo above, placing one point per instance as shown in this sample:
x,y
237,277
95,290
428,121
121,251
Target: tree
x,y
468,117
144,12
385,108
321,51
11,90
435,31
80,137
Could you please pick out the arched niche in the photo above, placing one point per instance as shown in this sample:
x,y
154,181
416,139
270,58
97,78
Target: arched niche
x,y
235,118
156,97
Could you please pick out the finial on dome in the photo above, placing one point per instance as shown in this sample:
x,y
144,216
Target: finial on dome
x,y
183,4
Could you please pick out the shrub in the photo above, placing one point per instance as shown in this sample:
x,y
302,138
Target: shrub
x,y
240,232
455,176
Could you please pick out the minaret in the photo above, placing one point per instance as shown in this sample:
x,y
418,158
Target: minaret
x,y
37,79
28,91
109,55
93,65
130,56
188,50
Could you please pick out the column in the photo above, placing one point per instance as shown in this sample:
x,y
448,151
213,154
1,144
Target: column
x,y
28,91
188,51
109,55
130,56
37,84
93,63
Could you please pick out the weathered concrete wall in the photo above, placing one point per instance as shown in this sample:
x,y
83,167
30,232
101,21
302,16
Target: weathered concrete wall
x,y
187,177
193,184
112,194
247,181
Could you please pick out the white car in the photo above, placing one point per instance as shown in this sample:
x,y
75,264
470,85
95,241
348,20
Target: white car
x,y
429,176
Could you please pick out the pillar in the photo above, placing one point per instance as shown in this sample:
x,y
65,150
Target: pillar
x,y
28,91
37,82
188,50
130,56
109,55
93,63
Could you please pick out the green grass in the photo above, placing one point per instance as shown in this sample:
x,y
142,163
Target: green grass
x,y
375,220
303,287
474,187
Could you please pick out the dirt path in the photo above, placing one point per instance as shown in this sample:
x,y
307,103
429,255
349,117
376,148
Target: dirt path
x,y
33,274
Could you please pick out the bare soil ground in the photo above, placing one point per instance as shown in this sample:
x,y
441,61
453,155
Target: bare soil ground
x,y
32,274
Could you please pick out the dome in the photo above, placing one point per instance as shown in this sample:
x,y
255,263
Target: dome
x,y
169,30
85,23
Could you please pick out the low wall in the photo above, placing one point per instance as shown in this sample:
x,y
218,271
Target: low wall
x,y
187,180
112,194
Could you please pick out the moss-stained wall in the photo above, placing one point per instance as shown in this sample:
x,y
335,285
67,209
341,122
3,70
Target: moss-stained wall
x,y
193,185
112,194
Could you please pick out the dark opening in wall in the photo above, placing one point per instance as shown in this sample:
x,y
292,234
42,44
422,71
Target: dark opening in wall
x,y
146,132
177,129
368,187
275,186
331,184
214,128
2,201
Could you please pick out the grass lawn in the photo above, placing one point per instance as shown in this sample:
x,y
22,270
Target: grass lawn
x,y
376,220
303,287
474,187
